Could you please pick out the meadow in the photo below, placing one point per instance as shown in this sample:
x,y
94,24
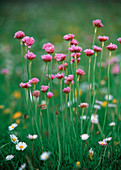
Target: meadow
x,y
60,95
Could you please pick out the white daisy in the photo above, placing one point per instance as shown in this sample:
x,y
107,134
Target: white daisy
x,y
112,124
107,139
111,105
9,157
23,166
21,146
110,97
84,136
11,127
94,119
98,107
32,137
14,139
98,102
44,156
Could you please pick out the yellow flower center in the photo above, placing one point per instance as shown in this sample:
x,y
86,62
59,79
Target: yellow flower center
x,y
78,164
13,139
104,104
12,127
20,146
46,156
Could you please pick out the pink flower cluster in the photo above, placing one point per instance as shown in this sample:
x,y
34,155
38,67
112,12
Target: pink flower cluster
x,y
119,40
80,72
44,88
50,76
97,23
66,90
69,79
28,41
111,47
30,55
75,49
60,57
34,81
89,52
49,48
75,55
4,71
73,60
46,57
19,35
103,38
97,49
59,76
74,42
36,93
49,95
68,37
24,85
60,67
115,69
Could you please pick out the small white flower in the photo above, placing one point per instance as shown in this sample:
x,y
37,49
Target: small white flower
x,y
84,117
111,105
21,146
14,139
23,166
110,97
112,124
9,157
91,151
84,136
97,107
94,119
98,102
32,137
107,139
11,127
44,156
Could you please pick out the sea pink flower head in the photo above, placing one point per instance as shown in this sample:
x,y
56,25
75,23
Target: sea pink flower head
x,y
103,38
74,42
19,35
36,93
73,60
24,85
30,55
44,88
102,143
65,64
75,55
75,49
4,71
113,60
119,40
46,57
97,49
28,41
69,78
60,67
68,37
111,47
97,23
50,76
49,48
60,57
80,72
103,64
83,105
89,52
115,69
34,81
66,90
59,76
49,95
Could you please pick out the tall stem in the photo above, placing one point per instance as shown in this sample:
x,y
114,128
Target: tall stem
x,y
22,60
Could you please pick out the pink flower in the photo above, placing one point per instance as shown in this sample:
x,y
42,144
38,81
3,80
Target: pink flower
x,y
28,41
80,72
4,71
115,70
60,57
24,85
89,52
49,48
69,78
49,95
36,93
111,47
33,81
30,55
73,60
119,40
74,42
102,143
59,76
65,64
60,67
97,23
113,60
103,38
74,48
68,37
46,57
97,49
44,88
83,105
66,90
19,35
75,55
50,76
103,64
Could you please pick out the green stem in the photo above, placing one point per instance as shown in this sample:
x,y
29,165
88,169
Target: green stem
x,y
95,30
22,60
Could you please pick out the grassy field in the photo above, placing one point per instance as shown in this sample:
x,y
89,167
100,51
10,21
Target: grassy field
x,y
59,126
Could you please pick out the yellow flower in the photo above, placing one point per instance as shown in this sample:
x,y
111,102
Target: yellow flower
x,y
1,106
6,111
77,164
74,109
18,121
104,103
80,92
17,115
114,101
16,94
